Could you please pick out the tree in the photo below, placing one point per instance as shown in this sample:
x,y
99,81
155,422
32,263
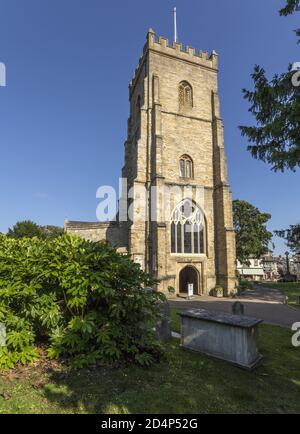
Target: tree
x,y
291,7
275,105
29,229
25,229
292,237
252,236
50,231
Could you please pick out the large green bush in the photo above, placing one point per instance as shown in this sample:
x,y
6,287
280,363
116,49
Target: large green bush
x,y
83,300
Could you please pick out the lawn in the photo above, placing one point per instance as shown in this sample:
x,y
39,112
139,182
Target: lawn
x,y
292,290
183,382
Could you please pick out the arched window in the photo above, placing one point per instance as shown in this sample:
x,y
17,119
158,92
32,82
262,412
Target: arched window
x,y
185,95
188,229
186,167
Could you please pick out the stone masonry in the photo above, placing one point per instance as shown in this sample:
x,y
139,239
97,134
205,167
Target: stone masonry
x,y
160,131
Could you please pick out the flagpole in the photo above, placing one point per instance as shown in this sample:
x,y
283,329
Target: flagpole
x,y
175,24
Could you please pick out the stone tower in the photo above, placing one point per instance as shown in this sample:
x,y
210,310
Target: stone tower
x,y
175,141
181,230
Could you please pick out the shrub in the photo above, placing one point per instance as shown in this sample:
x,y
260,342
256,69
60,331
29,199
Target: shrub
x,y
82,299
219,292
171,290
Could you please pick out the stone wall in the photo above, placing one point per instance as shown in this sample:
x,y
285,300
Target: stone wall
x,y
110,232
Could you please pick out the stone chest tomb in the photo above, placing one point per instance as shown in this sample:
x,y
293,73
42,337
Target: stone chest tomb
x,y
228,337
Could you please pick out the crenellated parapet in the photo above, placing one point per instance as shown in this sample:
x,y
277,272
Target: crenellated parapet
x,y
177,50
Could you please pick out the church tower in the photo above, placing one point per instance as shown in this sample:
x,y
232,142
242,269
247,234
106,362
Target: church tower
x,y
182,230
180,226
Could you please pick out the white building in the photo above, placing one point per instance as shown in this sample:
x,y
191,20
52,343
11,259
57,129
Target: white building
x,y
270,266
254,270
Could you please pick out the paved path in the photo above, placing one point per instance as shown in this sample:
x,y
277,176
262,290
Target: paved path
x,y
262,303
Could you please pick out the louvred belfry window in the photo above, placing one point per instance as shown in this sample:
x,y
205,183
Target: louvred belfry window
x,y
185,95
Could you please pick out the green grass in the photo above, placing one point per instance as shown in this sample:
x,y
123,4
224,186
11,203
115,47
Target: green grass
x,y
183,382
246,284
292,290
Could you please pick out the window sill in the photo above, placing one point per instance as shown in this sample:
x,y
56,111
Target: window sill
x,y
190,255
185,178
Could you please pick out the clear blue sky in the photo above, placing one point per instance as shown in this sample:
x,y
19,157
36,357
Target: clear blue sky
x,y
64,111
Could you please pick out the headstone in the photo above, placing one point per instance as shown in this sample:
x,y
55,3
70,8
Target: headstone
x,y
238,308
163,325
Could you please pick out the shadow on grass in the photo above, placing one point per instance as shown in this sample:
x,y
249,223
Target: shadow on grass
x,y
186,383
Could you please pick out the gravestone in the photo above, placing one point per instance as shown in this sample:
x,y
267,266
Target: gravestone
x,y
238,308
163,325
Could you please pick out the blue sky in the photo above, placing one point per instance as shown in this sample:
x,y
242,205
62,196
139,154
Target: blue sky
x,y
63,114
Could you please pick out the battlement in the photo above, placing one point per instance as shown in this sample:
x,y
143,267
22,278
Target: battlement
x,y
177,50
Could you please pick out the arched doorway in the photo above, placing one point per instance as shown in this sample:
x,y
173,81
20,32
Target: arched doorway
x,y
189,275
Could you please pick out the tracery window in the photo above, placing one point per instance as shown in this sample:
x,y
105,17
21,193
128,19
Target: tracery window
x,y
188,229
